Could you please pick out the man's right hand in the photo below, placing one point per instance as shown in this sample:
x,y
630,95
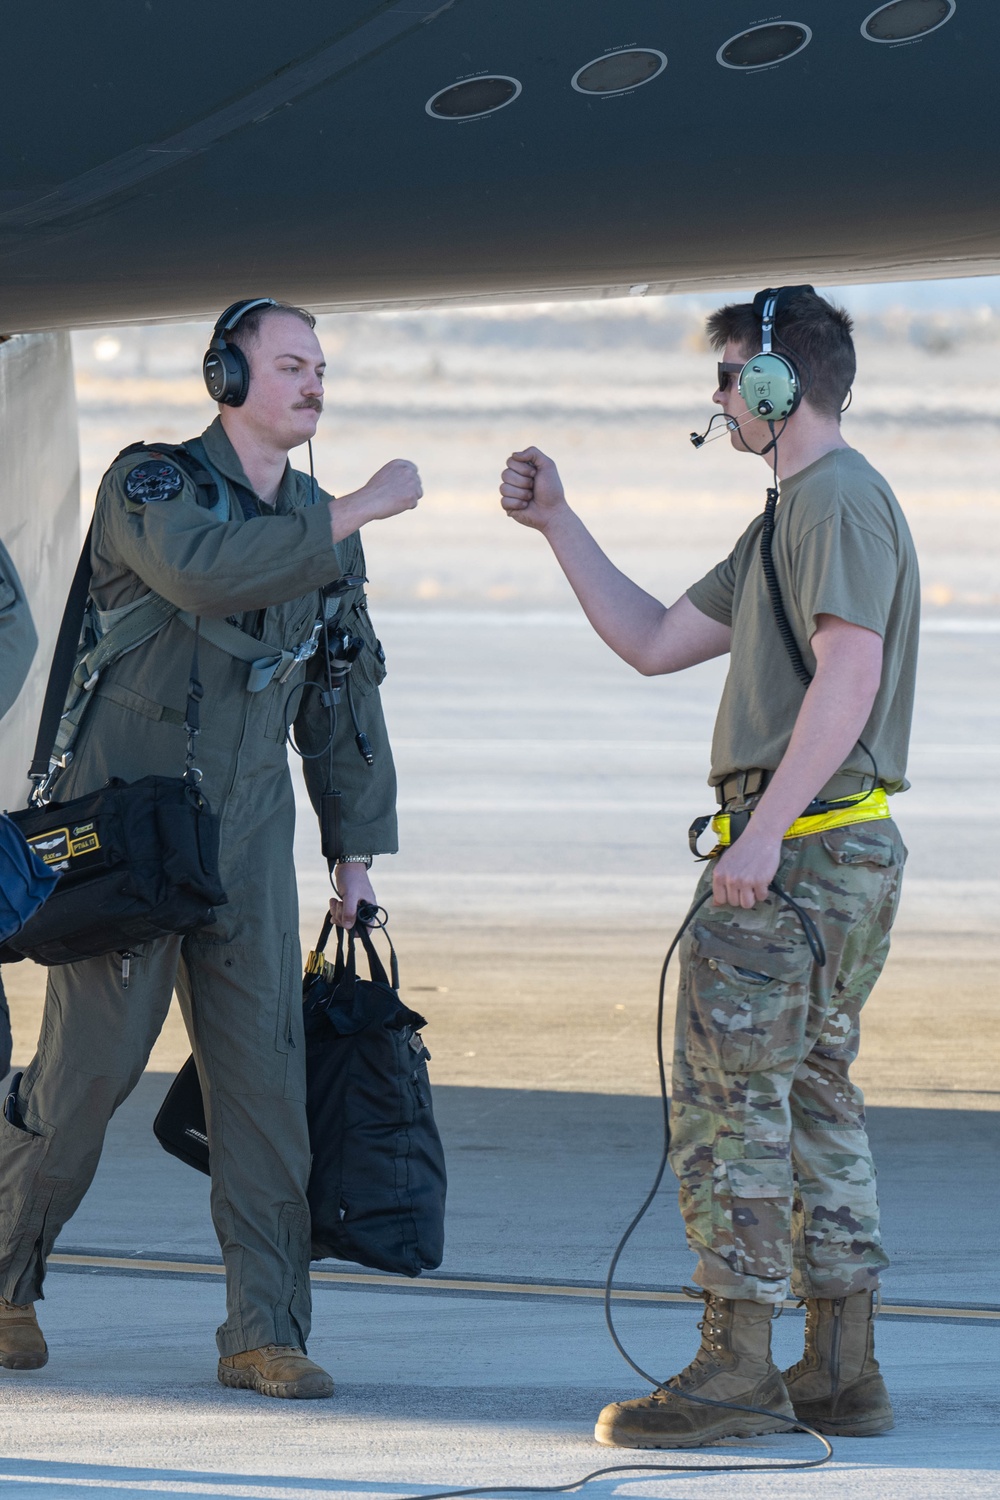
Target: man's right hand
x,y
391,490
531,491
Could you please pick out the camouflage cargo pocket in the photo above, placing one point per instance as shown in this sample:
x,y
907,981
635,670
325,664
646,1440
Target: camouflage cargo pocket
x,y
877,844
751,1210
747,998
867,853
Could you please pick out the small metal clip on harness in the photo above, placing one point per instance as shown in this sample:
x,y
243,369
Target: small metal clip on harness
x,y
42,786
303,653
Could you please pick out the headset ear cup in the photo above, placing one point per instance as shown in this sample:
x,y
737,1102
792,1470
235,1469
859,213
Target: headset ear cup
x,y
226,372
770,387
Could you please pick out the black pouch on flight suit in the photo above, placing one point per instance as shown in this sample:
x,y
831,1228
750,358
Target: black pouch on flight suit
x,y
136,860
378,1181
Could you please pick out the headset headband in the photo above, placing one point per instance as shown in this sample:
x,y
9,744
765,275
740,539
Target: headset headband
x,y
768,303
228,320
225,368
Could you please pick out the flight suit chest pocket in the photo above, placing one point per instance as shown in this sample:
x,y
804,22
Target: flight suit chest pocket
x,y
747,997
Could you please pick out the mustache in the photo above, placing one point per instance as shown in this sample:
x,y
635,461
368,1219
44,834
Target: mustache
x,y
312,401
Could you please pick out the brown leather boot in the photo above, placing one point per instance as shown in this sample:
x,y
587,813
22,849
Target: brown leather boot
x,y
275,1370
22,1346
733,1364
836,1386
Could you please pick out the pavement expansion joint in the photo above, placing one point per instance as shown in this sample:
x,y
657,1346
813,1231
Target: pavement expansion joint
x,y
147,1265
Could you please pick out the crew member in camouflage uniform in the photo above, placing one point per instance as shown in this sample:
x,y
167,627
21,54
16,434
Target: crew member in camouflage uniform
x,y
777,1185
18,643
264,551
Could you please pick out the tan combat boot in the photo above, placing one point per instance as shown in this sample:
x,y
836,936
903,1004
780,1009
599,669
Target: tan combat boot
x,y
275,1370
836,1386
733,1364
22,1346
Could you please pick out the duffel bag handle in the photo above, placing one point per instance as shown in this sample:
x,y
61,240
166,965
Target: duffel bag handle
x,y
375,965
348,965
339,965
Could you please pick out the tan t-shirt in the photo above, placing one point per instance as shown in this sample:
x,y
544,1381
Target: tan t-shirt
x,y
841,547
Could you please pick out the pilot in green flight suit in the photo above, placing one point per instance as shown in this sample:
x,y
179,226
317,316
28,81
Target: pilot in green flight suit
x,y
254,553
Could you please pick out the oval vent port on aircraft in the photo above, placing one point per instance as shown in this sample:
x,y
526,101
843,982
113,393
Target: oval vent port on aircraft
x,y
902,20
763,46
474,97
616,72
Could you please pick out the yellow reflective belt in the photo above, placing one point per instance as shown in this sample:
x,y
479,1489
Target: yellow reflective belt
x,y
864,808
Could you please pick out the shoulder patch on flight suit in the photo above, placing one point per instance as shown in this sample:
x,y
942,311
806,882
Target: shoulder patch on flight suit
x,y
153,480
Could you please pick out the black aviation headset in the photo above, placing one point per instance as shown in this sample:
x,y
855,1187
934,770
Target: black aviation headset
x,y
225,368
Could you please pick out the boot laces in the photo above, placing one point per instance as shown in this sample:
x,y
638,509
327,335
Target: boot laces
x,y
809,1358
709,1326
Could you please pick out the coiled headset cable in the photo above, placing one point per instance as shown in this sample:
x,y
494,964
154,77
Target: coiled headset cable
x,y
778,610
815,943
816,948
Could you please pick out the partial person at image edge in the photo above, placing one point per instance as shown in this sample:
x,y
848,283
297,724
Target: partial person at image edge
x,y
18,644
269,554
777,1184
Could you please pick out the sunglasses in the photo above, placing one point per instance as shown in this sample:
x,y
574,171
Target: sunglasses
x,y
727,371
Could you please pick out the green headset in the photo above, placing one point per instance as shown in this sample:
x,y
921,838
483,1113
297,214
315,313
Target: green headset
x,y
226,372
769,383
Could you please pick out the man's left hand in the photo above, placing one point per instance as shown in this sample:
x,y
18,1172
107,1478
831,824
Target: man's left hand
x,y
743,874
354,885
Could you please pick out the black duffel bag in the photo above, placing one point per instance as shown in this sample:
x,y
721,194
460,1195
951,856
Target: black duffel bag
x,y
136,860
378,1182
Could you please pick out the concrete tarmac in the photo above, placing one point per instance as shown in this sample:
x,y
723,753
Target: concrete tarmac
x,y
541,878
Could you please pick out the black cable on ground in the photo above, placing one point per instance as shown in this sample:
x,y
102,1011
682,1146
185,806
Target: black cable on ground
x,y
815,943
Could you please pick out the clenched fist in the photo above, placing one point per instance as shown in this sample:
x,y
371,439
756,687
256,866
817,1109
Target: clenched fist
x,y
531,491
394,488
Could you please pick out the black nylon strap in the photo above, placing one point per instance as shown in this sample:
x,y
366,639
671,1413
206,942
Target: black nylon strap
x,y
68,639
63,662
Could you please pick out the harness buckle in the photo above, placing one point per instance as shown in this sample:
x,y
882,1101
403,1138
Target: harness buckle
x,y
303,653
694,834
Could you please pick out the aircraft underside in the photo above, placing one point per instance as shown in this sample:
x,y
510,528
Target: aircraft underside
x,y
161,159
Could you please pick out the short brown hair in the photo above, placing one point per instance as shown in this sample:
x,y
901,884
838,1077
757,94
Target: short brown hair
x,y
813,333
247,331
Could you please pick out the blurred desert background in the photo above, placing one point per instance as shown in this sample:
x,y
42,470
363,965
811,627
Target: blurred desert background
x,y
545,789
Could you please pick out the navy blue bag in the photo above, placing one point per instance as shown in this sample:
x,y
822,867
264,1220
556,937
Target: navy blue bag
x,y
25,880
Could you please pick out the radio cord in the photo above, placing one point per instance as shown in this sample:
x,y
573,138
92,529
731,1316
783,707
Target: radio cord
x,y
788,640
816,948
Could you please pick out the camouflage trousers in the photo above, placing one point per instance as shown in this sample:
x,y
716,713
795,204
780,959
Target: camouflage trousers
x,y
777,1184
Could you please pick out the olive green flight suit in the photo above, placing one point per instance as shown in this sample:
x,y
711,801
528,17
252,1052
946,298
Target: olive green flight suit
x,y
239,980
